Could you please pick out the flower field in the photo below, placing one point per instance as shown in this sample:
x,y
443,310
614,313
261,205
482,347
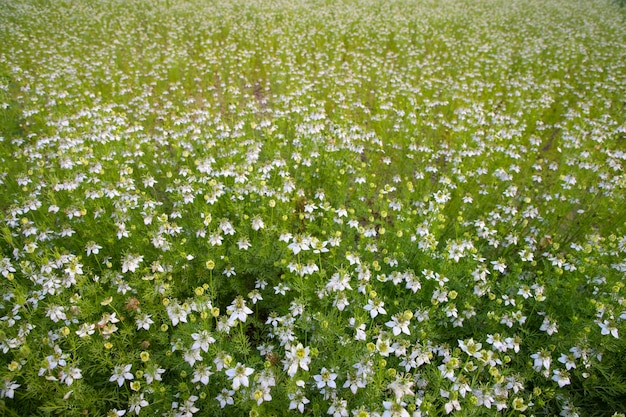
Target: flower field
x,y
342,208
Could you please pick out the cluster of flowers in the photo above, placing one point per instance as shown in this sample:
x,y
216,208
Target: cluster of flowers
x,y
226,209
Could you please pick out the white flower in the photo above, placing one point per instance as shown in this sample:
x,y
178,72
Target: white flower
x,y
399,324
86,329
608,328
299,243
92,247
297,400
261,394
470,347
383,346
227,227
71,375
561,377
239,375
202,374
354,382
394,409
339,282
568,360
225,397
153,373
177,313
5,267
56,313
244,243
202,340
238,310
191,356
8,390
297,356
401,387
136,402
499,265
121,373
215,239
542,359
144,321
325,379
257,223
338,408
131,262
549,326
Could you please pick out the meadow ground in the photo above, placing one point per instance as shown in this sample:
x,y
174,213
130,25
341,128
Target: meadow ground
x,y
306,207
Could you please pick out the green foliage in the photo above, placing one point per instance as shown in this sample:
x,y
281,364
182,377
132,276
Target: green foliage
x,y
376,208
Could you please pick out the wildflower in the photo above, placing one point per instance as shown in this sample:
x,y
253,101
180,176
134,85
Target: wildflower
x,y
202,340
470,347
56,313
338,408
518,404
188,408
542,359
244,243
608,327
399,323
297,400
238,310
202,374
485,399
191,356
222,360
153,373
239,375
499,265
448,367
261,394
560,377
131,262
299,243
297,356
144,321
384,347
360,329
568,360
325,379
86,329
216,239
353,258
177,313
226,227
453,403
255,296
92,247
257,223
266,377
121,373
375,307
281,289
136,403
69,377
225,397
8,390
401,387
549,326
395,409
341,301
6,268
